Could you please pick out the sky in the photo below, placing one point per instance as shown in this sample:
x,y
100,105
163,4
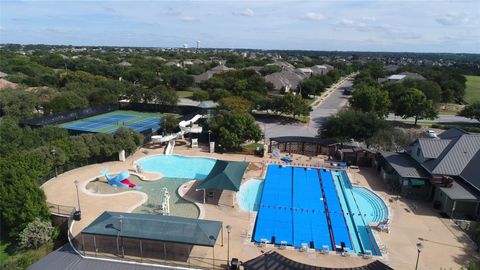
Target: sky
x,y
343,25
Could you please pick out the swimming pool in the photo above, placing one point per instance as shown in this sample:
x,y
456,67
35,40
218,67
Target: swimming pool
x,y
175,166
248,197
317,208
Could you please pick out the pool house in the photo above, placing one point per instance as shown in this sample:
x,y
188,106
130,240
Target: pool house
x,y
442,170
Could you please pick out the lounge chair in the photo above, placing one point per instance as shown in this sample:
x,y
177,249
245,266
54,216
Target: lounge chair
x,y
304,247
368,254
325,249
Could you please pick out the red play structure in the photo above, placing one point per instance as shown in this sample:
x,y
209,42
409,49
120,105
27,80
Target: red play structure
x,y
127,182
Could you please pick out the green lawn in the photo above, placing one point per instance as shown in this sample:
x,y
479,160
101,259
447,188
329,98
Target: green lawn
x,y
184,94
472,92
3,251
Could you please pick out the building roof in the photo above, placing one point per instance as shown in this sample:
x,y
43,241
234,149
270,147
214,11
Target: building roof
x,y
66,258
272,260
471,172
207,104
285,79
225,175
456,157
156,227
458,192
396,77
405,165
452,133
432,148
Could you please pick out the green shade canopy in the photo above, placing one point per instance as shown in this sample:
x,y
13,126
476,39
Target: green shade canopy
x,y
225,175
417,182
156,227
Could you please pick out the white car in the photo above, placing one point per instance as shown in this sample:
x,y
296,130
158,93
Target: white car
x,y
431,133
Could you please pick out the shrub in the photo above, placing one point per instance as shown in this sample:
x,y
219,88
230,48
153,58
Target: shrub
x,y
37,233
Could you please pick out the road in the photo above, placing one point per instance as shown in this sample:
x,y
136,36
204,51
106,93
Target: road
x,y
442,118
331,105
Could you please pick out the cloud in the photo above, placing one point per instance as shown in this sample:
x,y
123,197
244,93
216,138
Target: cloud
x,y
369,19
453,18
314,16
188,19
246,13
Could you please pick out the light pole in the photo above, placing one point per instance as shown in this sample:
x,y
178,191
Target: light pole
x,y
54,153
209,132
229,230
419,249
78,197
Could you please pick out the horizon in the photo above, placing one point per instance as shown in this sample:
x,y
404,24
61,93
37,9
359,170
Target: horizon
x,y
366,26
234,49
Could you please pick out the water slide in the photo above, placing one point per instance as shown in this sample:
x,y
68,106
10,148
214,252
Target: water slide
x,y
119,180
185,127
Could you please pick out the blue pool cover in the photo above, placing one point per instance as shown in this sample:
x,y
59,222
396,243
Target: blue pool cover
x,y
301,206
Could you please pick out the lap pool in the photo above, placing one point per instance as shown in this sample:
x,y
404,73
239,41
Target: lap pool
x,y
176,166
318,208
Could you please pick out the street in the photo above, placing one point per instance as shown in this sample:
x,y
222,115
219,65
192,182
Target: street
x,y
331,105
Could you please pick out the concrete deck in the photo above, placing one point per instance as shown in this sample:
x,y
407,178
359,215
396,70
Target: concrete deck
x,y
445,245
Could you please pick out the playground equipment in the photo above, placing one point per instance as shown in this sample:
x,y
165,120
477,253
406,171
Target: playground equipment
x,y
165,202
185,127
119,180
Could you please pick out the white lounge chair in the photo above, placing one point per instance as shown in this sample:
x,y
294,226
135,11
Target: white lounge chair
x,y
304,247
346,252
283,245
368,254
325,249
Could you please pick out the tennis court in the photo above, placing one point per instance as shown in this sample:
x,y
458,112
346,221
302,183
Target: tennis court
x,y
110,122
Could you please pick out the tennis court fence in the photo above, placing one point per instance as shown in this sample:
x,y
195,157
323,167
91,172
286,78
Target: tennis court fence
x,y
59,118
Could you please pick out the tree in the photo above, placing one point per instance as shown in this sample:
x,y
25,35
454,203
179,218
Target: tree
x,y
348,125
200,95
37,233
235,104
66,101
178,80
234,128
164,95
17,103
22,200
471,111
170,123
390,139
431,89
295,105
371,99
413,103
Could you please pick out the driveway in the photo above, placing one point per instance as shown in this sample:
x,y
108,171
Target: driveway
x,y
331,105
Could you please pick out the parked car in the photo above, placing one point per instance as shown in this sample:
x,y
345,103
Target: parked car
x,y
431,133
348,91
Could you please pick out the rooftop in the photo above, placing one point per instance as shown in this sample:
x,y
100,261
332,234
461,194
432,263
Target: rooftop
x,y
156,227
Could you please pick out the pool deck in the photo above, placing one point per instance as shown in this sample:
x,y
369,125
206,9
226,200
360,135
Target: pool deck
x,y
445,245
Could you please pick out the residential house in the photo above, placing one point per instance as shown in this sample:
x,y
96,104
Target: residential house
x,y
209,73
402,77
124,64
445,171
286,80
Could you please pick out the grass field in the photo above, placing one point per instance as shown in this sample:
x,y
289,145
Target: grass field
x,y
472,92
184,94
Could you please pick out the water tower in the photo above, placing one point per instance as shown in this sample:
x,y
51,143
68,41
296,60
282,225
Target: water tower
x,y
198,44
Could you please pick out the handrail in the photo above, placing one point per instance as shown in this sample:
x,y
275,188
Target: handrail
x,y
61,210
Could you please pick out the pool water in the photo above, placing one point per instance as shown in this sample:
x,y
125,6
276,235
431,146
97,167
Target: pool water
x,y
175,166
249,195
153,189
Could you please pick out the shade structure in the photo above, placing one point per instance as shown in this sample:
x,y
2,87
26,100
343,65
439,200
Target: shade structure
x,y
275,261
207,104
225,175
156,227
